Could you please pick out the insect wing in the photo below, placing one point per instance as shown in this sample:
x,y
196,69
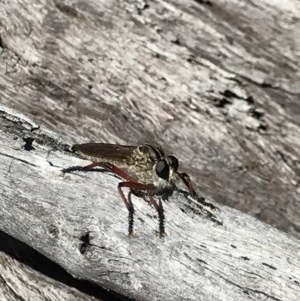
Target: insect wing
x,y
100,151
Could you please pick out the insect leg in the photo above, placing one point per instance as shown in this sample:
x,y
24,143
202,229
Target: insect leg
x,y
72,168
105,165
130,215
121,174
110,167
187,181
129,206
124,175
148,188
162,232
84,168
130,183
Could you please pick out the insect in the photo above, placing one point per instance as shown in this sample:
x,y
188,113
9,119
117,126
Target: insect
x,y
145,169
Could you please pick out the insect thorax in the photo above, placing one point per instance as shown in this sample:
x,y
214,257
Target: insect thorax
x,y
144,157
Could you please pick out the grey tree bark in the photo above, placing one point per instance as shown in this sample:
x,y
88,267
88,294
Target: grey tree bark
x,y
215,81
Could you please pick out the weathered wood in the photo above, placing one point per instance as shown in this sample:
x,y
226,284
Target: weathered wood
x,y
19,282
216,80
80,222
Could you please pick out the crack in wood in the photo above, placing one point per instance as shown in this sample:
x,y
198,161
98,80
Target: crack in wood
x,y
18,159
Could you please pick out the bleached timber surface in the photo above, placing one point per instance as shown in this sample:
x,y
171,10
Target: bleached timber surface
x,y
21,282
79,221
218,81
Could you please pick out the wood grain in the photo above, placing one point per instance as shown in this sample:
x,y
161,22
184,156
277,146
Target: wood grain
x,y
214,81
80,222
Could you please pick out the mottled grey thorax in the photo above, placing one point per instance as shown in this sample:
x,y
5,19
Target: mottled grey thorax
x,y
144,157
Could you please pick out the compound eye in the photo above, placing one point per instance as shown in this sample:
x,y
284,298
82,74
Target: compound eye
x,y
162,169
173,162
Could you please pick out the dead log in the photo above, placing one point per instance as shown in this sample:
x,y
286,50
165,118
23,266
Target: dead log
x,y
27,275
216,81
79,222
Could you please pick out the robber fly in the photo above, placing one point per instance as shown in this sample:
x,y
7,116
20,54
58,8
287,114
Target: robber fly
x,y
143,168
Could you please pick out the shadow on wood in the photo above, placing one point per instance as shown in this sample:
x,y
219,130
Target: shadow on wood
x,y
44,265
